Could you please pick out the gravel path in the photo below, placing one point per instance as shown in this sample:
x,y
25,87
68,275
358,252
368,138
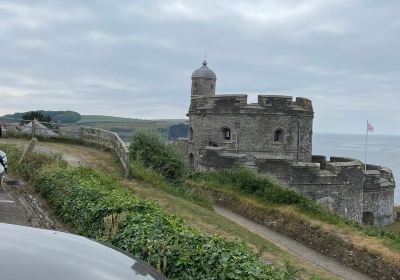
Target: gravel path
x,y
72,160
293,246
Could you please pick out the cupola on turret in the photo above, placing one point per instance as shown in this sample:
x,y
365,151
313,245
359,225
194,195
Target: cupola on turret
x,y
203,81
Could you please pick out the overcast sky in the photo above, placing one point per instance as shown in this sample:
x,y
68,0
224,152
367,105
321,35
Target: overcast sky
x,y
135,58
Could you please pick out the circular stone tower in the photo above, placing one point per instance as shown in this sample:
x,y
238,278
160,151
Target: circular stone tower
x,y
203,81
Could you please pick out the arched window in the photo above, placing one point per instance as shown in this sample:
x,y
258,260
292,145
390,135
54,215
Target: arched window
x,y
212,86
227,133
278,135
191,161
190,133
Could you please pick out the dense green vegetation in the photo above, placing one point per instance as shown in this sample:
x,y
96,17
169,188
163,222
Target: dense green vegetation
x,y
156,163
156,154
97,206
56,116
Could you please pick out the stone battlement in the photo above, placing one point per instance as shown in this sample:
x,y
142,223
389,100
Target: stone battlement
x,y
341,184
273,136
237,103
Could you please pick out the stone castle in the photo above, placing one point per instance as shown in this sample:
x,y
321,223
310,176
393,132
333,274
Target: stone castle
x,y
274,137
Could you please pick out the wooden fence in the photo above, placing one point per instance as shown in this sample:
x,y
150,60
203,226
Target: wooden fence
x,y
97,137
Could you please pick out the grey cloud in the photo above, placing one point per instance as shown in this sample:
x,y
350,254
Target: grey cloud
x,y
134,58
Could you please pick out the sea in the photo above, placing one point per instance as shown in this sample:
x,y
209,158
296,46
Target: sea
x,y
382,150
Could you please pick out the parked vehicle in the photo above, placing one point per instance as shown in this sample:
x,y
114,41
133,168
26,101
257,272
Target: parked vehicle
x,y
31,253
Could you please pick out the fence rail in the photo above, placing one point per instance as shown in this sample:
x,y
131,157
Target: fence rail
x,y
87,135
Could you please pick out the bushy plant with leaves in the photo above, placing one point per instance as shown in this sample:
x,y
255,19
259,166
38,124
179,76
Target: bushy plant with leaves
x,y
155,153
97,206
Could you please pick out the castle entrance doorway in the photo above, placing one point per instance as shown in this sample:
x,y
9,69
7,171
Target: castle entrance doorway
x,y
368,218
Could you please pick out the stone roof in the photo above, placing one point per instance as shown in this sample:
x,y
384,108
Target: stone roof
x,y
204,72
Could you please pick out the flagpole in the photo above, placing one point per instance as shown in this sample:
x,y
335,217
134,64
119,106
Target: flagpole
x,y
366,148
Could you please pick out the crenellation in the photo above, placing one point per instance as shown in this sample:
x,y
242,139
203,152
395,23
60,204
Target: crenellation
x,y
274,137
304,103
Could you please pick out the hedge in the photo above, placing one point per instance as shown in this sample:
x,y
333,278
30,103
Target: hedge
x,y
97,206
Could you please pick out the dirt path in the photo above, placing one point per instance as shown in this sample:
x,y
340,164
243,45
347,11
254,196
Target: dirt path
x,y
20,204
293,246
9,211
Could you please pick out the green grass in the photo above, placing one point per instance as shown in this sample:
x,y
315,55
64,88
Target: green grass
x,y
152,177
269,192
97,206
182,202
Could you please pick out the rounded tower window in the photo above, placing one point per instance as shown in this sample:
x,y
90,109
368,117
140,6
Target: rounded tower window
x,y
190,133
278,135
227,133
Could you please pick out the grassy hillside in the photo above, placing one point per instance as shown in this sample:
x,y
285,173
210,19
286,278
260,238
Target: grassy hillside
x,y
101,118
56,116
125,127
111,119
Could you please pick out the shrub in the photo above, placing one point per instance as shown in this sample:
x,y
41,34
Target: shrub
x,y
97,206
153,152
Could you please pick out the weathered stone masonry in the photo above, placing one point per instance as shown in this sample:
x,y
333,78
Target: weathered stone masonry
x,y
274,136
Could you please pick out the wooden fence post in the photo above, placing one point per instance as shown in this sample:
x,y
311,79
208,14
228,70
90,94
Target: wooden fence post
x,y
127,164
82,136
29,149
98,139
33,128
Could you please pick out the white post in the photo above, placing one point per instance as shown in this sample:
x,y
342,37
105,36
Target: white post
x,y
366,148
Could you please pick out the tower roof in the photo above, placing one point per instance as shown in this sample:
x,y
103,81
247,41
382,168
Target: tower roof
x,y
204,72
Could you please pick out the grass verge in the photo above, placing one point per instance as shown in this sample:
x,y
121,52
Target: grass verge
x,y
97,206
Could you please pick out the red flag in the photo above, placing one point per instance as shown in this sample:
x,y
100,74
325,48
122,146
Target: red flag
x,y
370,128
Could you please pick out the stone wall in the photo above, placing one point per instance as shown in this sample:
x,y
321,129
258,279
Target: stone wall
x,y
252,126
341,184
378,196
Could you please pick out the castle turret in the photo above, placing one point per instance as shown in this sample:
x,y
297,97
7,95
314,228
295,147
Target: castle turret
x,y
203,81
